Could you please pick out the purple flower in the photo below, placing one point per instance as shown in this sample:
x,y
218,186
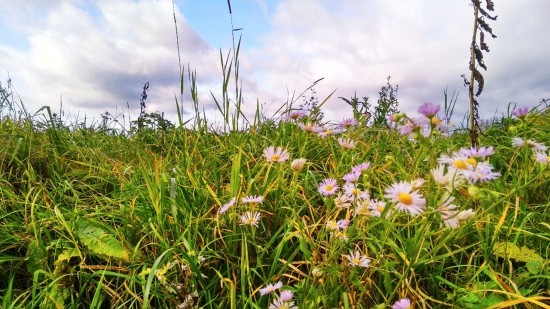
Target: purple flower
x,y
521,112
428,109
403,303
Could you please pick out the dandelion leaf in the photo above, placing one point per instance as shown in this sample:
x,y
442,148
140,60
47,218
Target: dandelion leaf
x,y
100,240
512,251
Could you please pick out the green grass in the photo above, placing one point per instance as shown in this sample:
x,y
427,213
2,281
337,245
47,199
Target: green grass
x,y
95,219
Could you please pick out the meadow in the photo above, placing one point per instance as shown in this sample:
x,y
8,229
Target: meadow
x,y
289,212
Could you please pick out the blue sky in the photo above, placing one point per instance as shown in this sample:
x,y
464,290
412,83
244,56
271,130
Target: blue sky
x,y
95,56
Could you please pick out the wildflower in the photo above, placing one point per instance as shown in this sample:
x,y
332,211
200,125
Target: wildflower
x,y
270,288
353,192
405,198
342,201
347,123
448,212
449,180
250,218
276,155
280,304
352,177
251,199
286,296
295,115
541,157
518,142
332,225
343,224
521,112
340,234
328,187
298,164
418,183
428,109
362,208
377,207
483,172
346,143
228,205
356,259
465,214
536,146
482,152
309,127
403,303
360,167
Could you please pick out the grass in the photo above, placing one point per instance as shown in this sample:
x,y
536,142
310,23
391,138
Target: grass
x,y
93,218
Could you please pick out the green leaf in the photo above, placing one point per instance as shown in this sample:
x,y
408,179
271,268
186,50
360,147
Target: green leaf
x,y
100,240
534,267
512,251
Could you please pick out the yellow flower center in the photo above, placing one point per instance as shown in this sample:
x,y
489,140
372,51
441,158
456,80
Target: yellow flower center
x,y
460,164
275,158
356,261
405,198
381,208
356,191
471,161
436,121
328,187
250,220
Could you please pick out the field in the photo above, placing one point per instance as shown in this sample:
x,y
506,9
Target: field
x,y
290,211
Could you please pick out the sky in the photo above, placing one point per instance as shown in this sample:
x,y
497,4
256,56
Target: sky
x,y
95,56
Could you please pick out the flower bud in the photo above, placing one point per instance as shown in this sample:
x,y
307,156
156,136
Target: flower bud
x,y
298,164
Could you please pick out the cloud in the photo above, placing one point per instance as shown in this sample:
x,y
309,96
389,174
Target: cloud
x,y
99,57
423,45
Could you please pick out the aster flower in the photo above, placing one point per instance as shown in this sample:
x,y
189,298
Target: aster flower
x,y
326,132
276,155
310,127
448,212
358,259
458,162
328,187
347,123
541,157
343,224
342,201
362,208
354,193
449,180
352,177
332,225
346,143
298,164
280,304
295,115
521,112
360,167
250,218
406,198
536,146
251,199
403,303
270,288
228,205
377,207
482,173
286,296
518,142
340,234
473,152
428,109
